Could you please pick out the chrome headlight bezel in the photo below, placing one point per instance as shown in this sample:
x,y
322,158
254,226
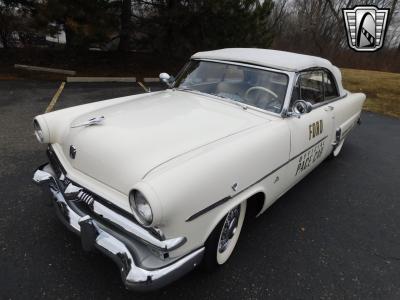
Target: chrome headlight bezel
x,y
41,129
38,131
141,208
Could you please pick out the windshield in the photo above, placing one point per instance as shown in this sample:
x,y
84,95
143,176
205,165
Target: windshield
x,y
256,87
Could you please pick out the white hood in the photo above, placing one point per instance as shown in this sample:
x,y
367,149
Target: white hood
x,y
139,135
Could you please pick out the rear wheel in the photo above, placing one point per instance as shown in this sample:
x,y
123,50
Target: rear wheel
x,y
222,241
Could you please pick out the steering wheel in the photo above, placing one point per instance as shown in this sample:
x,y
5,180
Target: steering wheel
x,y
273,103
261,88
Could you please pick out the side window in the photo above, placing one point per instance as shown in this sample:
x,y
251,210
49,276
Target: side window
x,y
311,87
330,87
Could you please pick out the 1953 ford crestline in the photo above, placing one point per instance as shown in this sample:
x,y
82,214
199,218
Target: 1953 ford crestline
x,y
163,181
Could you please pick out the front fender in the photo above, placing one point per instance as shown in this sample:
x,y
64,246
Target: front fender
x,y
221,212
218,177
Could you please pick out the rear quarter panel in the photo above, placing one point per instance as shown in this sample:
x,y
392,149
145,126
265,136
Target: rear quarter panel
x,y
347,112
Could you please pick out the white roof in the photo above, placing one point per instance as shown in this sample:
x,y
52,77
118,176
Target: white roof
x,y
281,60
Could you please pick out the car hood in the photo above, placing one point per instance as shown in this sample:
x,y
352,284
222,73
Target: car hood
x,y
137,136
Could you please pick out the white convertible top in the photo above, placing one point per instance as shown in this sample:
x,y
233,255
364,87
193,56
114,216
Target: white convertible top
x,y
281,60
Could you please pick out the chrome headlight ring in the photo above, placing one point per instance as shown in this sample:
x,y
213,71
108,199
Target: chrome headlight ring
x,y
38,131
41,130
141,208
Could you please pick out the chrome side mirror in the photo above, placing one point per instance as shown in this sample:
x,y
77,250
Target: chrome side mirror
x,y
301,107
166,78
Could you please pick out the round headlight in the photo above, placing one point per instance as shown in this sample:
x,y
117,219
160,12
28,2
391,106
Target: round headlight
x,y
38,131
140,207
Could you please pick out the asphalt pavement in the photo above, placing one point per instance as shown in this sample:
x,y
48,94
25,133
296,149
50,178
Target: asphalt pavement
x,y
335,235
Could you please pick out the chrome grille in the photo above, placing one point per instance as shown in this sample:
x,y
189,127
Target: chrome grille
x,y
85,197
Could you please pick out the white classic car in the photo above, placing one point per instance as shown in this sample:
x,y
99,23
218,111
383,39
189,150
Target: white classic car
x,y
163,181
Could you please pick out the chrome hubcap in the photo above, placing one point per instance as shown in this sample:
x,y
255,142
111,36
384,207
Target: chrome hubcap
x,y
229,228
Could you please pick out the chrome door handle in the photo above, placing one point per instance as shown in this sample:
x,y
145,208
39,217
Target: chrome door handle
x,y
329,108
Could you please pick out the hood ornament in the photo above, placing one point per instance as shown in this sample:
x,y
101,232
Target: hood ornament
x,y
90,122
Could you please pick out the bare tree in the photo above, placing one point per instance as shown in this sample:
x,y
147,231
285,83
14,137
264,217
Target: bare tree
x,y
8,23
125,25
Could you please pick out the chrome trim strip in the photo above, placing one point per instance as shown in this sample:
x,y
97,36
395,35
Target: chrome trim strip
x,y
222,201
329,101
208,208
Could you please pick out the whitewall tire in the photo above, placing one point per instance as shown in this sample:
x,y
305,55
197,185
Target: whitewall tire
x,y
223,239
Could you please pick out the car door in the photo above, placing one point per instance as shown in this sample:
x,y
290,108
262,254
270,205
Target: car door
x,y
347,109
312,132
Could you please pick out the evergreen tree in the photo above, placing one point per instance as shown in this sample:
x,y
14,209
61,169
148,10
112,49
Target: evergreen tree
x,y
84,21
179,27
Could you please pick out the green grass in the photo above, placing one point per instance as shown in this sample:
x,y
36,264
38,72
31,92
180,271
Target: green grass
x,y
382,89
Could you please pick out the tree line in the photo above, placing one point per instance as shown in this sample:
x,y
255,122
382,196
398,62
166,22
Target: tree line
x,y
178,28
171,26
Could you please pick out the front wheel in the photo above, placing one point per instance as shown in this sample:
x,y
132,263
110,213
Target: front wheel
x,y
222,241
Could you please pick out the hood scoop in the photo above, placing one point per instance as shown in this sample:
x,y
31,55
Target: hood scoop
x,y
90,122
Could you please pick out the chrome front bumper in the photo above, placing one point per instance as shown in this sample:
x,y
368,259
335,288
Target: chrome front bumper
x,y
124,249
